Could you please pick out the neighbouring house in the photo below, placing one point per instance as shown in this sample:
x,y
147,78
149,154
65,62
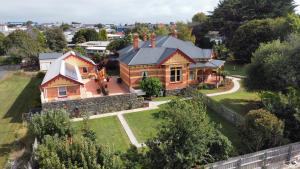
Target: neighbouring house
x,y
71,76
178,64
46,59
92,47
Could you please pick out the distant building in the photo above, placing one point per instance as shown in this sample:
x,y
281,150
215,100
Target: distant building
x,y
92,47
118,35
46,59
214,36
3,28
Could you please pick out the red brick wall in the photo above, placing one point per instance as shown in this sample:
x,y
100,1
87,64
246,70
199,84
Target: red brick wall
x,y
176,85
52,93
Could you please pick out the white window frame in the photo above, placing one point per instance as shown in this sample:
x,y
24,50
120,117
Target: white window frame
x,y
144,73
65,88
176,80
193,73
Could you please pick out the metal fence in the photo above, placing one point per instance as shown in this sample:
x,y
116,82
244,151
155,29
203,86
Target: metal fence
x,y
230,115
271,158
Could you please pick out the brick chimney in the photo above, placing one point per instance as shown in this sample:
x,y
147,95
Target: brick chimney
x,y
145,37
135,41
153,40
174,33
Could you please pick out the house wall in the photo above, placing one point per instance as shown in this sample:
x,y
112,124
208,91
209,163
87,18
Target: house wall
x,y
81,64
51,89
136,74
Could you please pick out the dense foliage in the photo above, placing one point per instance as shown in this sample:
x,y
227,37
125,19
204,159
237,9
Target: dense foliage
x,y
151,85
56,40
186,139
102,35
59,153
53,122
85,35
286,106
275,66
184,32
262,130
2,49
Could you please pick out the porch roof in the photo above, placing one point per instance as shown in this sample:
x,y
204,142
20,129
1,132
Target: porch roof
x,y
210,64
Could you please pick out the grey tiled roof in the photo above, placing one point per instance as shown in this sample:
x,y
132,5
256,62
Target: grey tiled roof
x,y
210,64
164,45
53,55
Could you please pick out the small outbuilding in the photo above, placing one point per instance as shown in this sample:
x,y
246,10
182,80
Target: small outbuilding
x,y
46,59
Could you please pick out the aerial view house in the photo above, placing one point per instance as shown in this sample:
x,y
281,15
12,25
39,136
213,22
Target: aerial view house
x,y
71,76
176,63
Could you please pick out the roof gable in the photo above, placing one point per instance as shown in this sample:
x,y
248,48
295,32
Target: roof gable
x,y
176,57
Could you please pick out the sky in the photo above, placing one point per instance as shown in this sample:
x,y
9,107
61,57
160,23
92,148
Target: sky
x,y
105,11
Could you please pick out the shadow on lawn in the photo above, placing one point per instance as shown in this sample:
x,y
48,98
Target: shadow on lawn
x,y
241,106
28,98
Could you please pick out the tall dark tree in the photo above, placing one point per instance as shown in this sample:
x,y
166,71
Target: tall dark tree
x,y
85,35
2,49
56,40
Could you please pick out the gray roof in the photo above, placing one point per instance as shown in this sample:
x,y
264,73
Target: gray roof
x,y
53,55
210,64
60,67
164,45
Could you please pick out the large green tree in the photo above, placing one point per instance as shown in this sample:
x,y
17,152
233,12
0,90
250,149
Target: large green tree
x,y
20,45
230,14
56,40
84,35
102,35
186,138
199,18
162,30
2,48
184,32
262,130
275,66
248,36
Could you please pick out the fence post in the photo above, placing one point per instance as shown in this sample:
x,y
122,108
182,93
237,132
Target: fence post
x,y
265,162
239,163
290,153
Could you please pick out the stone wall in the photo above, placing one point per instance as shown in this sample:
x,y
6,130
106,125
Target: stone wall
x,y
173,92
98,105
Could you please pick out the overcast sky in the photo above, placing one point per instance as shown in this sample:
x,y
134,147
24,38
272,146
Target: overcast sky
x,y
104,11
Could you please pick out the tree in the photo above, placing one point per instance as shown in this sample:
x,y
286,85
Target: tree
x,y
142,29
85,35
103,35
117,44
19,44
152,86
52,122
186,138
249,35
262,130
230,14
185,32
162,30
274,66
2,48
56,40
199,18
65,26
59,153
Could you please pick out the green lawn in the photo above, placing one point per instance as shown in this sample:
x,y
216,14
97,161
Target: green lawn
x,y
18,93
241,101
235,69
143,125
164,98
109,132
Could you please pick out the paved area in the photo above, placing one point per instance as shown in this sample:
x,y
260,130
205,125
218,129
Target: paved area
x,y
152,105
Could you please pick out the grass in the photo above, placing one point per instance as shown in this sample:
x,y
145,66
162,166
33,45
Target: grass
x,y
228,86
18,93
109,132
241,101
162,98
144,126
235,69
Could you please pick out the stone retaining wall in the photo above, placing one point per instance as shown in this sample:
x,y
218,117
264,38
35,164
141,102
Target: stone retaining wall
x,y
98,105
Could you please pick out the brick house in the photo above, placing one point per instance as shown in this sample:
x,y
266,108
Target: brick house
x,y
68,77
176,63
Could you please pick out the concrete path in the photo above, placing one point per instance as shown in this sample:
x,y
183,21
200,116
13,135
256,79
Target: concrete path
x,y
152,105
236,87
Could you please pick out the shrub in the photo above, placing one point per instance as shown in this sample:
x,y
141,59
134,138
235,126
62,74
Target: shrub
x,y
152,86
262,130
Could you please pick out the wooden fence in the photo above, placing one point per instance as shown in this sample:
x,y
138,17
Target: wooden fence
x,y
271,158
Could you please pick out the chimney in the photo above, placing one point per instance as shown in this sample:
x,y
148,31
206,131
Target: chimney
x,y
174,33
153,40
135,41
145,36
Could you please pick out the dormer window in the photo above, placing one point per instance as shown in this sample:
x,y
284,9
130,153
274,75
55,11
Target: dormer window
x,y
84,69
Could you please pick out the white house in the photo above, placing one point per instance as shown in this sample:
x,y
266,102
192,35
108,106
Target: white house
x,y
45,59
92,47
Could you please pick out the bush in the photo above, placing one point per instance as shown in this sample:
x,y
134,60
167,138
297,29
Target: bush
x,y
262,130
40,75
152,86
